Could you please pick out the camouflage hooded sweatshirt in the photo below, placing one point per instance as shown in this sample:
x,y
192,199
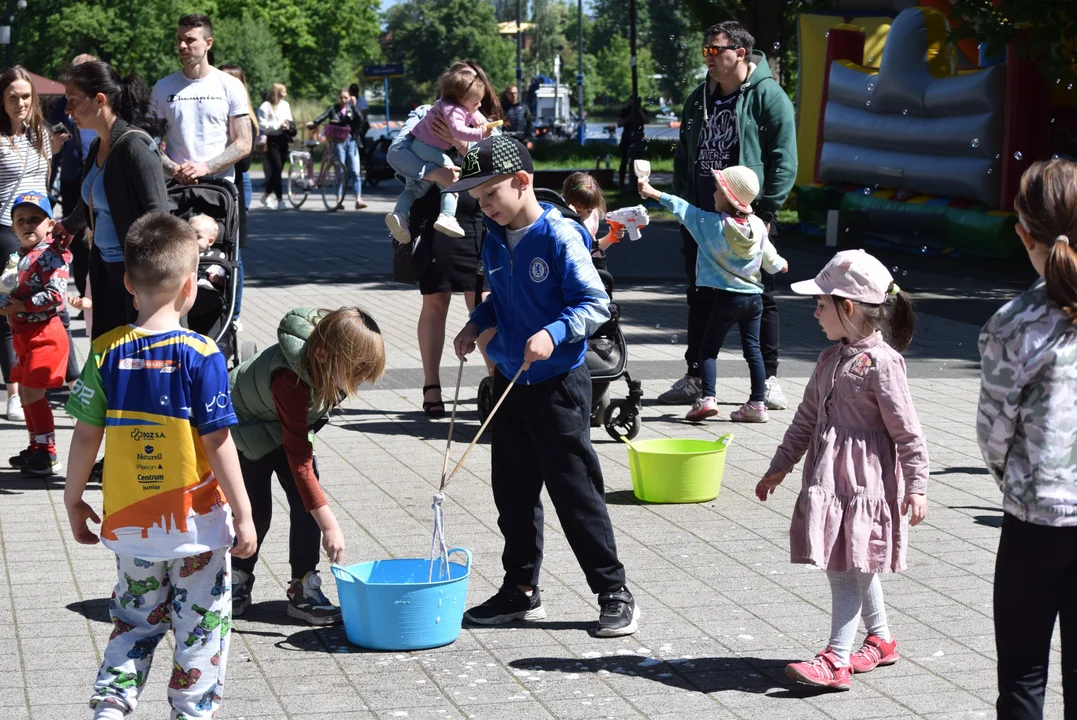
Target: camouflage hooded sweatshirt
x,y
1026,423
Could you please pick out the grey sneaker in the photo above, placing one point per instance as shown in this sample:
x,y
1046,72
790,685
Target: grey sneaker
x,y
398,227
775,398
307,602
619,614
750,412
684,392
242,584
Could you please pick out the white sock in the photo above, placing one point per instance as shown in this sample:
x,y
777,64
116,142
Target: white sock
x,y
108,711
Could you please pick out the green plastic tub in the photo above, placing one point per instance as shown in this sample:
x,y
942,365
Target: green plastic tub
x,y
677,471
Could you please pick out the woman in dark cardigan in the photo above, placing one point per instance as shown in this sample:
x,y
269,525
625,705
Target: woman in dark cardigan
x,y
122,180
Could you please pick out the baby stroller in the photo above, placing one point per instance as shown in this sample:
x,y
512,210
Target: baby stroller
x,y
218,199
606,359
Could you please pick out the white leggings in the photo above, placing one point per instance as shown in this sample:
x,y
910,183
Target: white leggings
x,y
855,594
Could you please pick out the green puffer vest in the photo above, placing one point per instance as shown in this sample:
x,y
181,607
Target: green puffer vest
x,y
259,432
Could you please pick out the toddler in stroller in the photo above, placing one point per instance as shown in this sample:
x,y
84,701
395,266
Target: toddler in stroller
x,y
212,208
606,357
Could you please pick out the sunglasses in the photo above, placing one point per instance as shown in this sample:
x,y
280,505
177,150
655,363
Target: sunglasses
x,y
712,50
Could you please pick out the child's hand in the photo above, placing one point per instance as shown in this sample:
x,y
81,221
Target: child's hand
x,y
13,306
77,515
464,344
246,538
60,234
80,302
617,230
333,543
539,347
786,268
918,504
769,483
647,191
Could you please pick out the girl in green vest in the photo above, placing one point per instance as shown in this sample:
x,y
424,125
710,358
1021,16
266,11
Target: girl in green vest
x,y
282,396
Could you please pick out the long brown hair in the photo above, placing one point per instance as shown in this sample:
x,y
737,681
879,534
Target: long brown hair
x,y
894,317
490,106
36,119
1047,206
345,349
237,72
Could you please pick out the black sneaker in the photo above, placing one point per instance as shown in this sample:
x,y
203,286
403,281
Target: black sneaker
x,y
41,463
511,603
307,602
242,583
619,614
17,461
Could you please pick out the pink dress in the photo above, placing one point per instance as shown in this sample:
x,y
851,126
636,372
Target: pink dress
x,y
865,451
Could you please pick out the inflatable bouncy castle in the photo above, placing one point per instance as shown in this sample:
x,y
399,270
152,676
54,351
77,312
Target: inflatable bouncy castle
x,y
914,139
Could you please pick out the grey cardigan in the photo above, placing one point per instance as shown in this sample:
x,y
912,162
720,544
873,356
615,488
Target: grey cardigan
x,y
134,181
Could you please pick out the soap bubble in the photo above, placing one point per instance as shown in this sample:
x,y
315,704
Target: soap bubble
x,y
868,103
1055,156
894,269
988,171
1017,155
906,272
671,37
777,45
975,142
871,86
905,112
673,340
867,191
923,249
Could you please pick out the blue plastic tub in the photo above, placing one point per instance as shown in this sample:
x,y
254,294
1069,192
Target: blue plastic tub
x,y
389,605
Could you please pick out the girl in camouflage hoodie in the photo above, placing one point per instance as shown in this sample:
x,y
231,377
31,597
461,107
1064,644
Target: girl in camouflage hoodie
x,y
1026,426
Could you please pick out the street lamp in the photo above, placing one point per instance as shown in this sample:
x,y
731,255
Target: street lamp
x,y
6,34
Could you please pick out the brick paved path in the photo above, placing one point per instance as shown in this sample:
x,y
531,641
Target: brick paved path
x,y
723,610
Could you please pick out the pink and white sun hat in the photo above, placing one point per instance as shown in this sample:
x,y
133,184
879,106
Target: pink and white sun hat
x,y
739,184
852,274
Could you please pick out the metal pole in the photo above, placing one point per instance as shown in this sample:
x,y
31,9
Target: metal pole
x,y
386,106
579,75
519,51
632,40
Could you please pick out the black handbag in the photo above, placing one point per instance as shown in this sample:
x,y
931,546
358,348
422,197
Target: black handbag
x,y
411,260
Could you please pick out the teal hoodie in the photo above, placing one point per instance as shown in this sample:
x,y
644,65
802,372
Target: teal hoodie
x,y
766,125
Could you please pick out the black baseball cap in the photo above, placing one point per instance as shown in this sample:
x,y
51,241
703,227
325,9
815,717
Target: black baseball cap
x,y
490,157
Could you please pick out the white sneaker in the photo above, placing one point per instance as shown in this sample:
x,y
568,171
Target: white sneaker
x,y
14,408
774,398
265,201
398,226
270,202
684,392
447,224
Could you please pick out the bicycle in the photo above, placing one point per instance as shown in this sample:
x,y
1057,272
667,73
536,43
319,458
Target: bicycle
x,y
330,178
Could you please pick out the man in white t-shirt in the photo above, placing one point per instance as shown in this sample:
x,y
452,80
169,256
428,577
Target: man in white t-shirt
x,y
206,111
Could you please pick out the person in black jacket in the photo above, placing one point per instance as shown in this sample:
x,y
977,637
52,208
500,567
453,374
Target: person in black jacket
x,y
122,180
517,116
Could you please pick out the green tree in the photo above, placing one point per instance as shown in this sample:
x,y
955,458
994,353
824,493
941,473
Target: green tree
x,y
323,43
49,33
675,45
430,35
548,37
1044,30
614,84
251,45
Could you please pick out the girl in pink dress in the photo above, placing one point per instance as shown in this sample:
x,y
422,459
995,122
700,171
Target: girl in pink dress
x,y
866,464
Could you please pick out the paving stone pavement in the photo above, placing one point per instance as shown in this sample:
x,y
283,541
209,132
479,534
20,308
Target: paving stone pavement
x,y
723,610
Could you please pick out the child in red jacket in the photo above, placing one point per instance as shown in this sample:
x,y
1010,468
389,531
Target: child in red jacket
x,y
41,345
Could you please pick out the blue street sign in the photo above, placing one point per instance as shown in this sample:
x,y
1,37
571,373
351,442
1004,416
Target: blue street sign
x,y
383,71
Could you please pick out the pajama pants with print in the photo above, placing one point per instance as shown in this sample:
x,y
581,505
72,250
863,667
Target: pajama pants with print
x,y
190,596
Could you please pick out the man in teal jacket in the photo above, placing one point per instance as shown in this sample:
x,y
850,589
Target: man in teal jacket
x,y
739,115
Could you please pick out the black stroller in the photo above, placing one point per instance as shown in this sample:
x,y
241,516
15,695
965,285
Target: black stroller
x,y
606,359
218,199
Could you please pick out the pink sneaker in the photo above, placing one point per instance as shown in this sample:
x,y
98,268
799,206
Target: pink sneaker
x,y
823,671
750,412
875,652
703,408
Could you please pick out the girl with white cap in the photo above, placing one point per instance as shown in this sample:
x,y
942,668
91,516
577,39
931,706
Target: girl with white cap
x,y
866,464
733,247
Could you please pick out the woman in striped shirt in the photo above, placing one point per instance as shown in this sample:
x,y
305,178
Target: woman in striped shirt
x,y
26,145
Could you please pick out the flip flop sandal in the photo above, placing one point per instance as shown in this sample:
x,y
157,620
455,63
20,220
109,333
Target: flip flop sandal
x,y
434,408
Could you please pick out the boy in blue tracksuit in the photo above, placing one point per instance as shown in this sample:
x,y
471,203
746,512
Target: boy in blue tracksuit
x,y
545,300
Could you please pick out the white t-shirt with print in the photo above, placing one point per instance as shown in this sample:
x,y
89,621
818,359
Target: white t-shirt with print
x,y
196,113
